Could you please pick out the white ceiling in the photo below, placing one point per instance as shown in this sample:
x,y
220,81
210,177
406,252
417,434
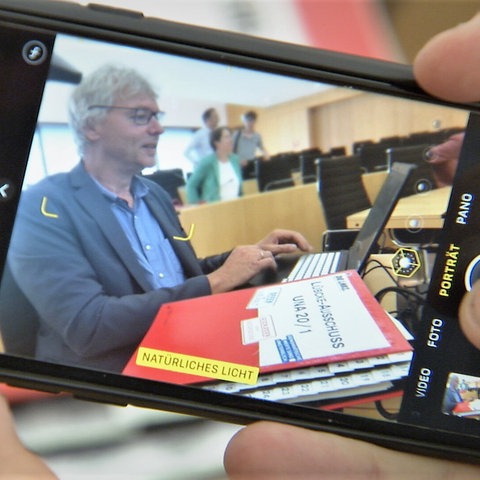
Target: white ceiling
x,y
177,78
181,78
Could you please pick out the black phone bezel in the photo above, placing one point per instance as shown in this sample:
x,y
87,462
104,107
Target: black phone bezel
x,y
133,28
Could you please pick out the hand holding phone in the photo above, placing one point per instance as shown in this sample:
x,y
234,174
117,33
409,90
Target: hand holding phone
x,y
339,457
300,453
94,289
15,459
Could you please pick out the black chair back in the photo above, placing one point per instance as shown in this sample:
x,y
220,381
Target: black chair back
x,y
422,178
341,189
308,165
169,180
276,172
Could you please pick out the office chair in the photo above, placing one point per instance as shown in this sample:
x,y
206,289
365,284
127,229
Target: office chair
x,y
392,141
359,144
249,170
276,172
422,178
337,152
170,180
373,157
419,138
308,165
341,189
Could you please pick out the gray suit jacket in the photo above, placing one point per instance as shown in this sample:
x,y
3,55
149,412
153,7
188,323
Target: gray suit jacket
x,y
75,265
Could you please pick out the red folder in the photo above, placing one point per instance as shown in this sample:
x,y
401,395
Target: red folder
x,y
210,328
207,327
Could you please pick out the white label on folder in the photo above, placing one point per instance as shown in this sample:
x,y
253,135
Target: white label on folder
x,y
256,329
319,318
264,297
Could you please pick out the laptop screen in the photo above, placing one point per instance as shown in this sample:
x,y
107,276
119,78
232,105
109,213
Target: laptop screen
x,y
378,216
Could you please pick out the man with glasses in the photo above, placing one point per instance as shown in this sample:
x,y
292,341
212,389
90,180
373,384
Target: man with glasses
x,y
99,249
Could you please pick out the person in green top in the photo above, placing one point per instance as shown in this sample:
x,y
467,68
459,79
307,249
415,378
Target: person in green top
x,y
218,175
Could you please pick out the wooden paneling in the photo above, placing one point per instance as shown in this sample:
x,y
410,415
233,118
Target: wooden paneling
x,y
340,117
221,226
370,116
288,126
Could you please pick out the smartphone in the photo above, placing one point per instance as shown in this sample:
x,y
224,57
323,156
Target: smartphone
x,y
307,100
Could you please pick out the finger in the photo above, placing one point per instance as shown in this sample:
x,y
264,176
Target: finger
x,y
303,244
288,237
15,460
448,66
266,259
277,249
7,430
469,314
300,454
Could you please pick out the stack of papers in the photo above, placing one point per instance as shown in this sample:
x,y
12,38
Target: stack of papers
x,y
311,340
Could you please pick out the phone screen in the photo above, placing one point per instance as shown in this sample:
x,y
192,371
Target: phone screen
x,y
80,290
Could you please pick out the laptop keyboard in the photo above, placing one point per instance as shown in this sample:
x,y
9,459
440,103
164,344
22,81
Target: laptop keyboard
x,y
314,265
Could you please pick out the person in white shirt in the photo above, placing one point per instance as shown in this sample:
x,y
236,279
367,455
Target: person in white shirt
x,y
199,146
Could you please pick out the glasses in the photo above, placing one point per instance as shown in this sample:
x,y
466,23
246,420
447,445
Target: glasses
x,y
140,116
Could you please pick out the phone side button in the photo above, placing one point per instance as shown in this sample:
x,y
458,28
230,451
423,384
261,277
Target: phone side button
x,y
114,10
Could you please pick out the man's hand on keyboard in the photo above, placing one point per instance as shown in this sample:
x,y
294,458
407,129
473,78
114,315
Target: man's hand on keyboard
x,y
285,241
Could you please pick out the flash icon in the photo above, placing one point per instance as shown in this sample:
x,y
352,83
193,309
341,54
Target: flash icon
x,y
34,52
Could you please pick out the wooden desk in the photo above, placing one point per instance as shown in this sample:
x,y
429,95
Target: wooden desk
x,y
373,182
220,226
424,210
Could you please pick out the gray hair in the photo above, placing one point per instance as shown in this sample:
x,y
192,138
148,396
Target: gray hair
x,y
104,86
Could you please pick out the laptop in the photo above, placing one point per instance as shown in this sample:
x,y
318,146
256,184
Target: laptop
x,y
355,258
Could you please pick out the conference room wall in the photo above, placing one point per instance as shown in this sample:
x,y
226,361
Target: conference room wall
x,y
339,118
369,116
287,126
287,130
234,114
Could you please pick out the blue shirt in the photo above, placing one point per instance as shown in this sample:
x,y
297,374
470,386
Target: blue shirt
x,y
153,250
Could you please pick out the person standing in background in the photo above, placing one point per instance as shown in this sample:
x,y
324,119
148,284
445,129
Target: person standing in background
x,y
247,141
199,147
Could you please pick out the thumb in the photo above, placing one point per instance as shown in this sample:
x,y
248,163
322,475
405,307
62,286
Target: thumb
x,y
469,314
448,66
